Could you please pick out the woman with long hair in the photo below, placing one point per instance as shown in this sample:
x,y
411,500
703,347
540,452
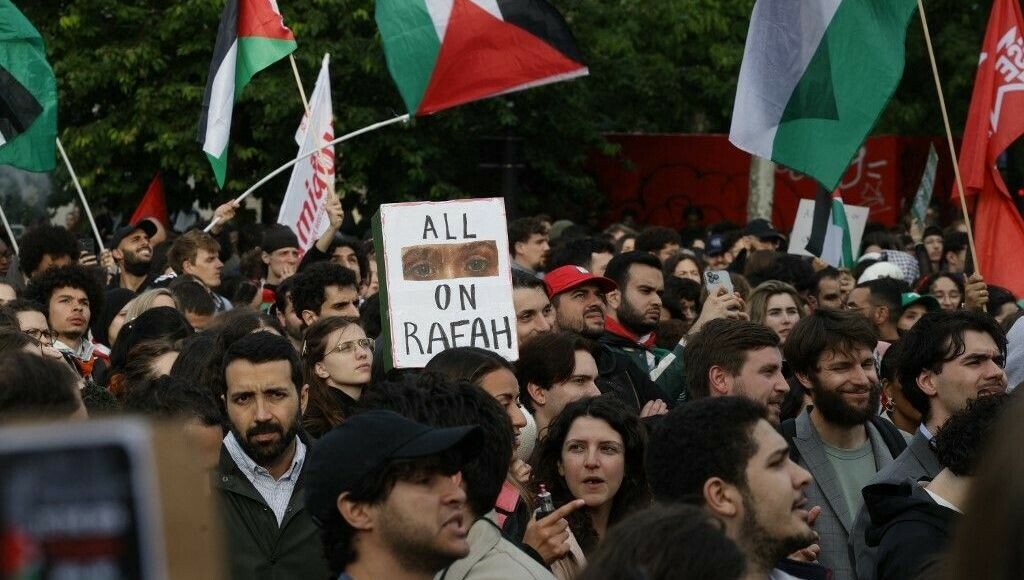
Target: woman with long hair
x,y
776,305
594,451
336,361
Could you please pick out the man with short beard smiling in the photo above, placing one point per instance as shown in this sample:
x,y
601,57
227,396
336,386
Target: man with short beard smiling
x,y
133,255
269,533
841,439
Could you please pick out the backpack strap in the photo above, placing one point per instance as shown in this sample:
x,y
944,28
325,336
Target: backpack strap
x,y
892,437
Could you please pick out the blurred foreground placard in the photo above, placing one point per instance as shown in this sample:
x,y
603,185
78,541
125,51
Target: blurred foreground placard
x,y
111,499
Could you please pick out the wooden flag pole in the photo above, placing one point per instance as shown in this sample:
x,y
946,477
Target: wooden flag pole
x,y
81,196
399,119
298,82
949,136
10,233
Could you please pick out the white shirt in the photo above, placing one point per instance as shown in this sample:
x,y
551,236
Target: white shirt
x,y
276,492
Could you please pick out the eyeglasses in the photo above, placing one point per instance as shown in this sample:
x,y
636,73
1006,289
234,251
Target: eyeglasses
x,y
349,346
43,337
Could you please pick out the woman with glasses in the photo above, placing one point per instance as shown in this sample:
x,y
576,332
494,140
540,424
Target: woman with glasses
x,y
336,361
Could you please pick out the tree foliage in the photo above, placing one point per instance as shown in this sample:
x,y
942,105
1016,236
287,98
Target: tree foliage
x,y
131,76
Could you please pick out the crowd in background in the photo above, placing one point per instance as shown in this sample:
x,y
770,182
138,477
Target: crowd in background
x,y
798,421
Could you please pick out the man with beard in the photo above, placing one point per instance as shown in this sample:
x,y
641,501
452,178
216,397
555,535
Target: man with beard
x,y
269,533
633,314
534,313
737,357
841,439
947,359
723,454
385,493
133,255
580,304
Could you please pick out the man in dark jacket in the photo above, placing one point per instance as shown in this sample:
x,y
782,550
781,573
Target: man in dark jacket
x,y
580,306
270,535
911,522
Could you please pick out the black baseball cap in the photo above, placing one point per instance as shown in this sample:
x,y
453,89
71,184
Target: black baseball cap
x,y
125,231
763,229
366,443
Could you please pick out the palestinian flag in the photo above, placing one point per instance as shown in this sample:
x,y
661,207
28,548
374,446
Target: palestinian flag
x,y
252,36
816,75
830,232
443,53
28,95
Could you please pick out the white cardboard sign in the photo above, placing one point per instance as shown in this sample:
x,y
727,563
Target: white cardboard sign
x,y
856,217
449,281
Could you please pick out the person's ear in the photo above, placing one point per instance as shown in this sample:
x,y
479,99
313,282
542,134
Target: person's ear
x,y
718,382
303,398
537,394
265,257
309,317
881,315
926,382
320,370
804,380
188,267
359,515
117,254
723,499
561,468
517,248
613,299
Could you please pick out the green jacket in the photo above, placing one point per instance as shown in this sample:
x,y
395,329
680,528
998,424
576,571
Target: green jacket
x,y
667,370
256,548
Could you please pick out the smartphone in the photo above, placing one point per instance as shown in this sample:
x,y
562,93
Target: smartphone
x,y
715,278
87,245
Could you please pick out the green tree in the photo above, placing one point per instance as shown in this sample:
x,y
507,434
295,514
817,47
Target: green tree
x,y
131,76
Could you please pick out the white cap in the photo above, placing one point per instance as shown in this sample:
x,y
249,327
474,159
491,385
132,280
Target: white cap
x,y
881,270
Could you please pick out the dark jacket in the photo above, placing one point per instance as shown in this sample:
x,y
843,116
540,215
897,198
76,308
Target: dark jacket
x,y
617,374
908,527
667,372
256,547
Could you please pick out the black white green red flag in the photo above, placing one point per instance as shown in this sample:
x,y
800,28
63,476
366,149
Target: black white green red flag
x,y
252,36
28,95
444,53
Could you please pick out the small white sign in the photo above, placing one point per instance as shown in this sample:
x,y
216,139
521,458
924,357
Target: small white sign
x,y
856,217
449,280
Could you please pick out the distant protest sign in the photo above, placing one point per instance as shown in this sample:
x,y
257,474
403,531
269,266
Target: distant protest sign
x,y
445,279
856,217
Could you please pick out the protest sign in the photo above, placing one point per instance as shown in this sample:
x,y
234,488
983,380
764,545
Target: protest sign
x,y
105,499
924,192
304,206
856,217
445,279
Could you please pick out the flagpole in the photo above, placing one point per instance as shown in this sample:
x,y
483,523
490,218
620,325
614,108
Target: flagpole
x,y
81,195
276,172
10,233
298,82
949,136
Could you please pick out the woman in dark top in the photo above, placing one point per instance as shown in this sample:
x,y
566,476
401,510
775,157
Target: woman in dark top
x,y
336,361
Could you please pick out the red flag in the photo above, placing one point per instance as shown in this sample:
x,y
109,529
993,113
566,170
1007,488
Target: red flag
x,y
153,204
994,121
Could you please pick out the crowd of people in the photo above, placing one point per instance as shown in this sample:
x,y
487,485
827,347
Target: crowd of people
x,y
800,421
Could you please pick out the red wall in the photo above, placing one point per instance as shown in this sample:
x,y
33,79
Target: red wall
x,y
658,176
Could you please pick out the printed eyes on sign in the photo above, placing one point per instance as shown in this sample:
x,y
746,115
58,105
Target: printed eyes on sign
x,y
450,261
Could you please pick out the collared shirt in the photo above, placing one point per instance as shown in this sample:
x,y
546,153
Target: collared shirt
x,y
924,431
276,492
942,501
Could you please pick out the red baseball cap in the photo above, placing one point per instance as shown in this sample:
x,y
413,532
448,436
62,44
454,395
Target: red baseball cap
x,y
566,278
